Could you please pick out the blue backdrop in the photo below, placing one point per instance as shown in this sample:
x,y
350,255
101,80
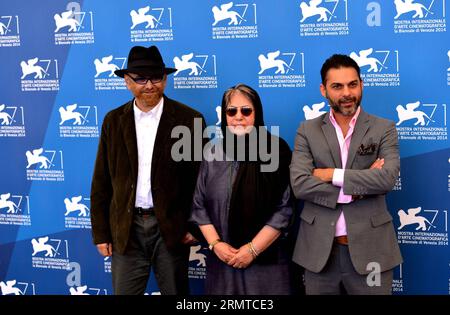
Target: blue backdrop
x,y
56,61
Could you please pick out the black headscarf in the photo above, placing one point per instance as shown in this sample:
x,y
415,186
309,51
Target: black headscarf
x,y
255,194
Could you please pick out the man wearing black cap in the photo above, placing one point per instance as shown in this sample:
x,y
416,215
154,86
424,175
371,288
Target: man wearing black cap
x,y
140,196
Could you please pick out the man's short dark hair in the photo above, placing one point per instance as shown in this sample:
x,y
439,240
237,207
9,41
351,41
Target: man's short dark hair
x,y
338,61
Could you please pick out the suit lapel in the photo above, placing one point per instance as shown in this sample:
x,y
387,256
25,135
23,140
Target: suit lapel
x,y
361,127
331,137
163,134
128,127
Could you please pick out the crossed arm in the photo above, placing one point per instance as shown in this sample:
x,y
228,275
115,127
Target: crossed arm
x,y
314,184
326,174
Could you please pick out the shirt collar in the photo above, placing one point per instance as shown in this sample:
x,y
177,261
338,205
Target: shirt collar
x,y
352,121
155,112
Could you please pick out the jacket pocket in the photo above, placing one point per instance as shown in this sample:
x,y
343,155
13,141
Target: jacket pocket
x,y
381,219
308,217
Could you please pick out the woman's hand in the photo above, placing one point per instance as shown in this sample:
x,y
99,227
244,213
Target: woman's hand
x,y
243,258
224,251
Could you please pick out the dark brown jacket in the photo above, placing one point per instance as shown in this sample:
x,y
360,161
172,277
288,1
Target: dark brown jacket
x,y
113,190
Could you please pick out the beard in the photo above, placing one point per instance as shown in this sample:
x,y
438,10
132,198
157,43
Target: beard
x,y
151,98
338,106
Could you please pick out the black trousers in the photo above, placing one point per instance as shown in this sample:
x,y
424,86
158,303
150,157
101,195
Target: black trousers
x,y
145,250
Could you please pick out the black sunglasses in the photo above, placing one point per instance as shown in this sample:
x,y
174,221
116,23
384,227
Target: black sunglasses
x,y
154,78
245,111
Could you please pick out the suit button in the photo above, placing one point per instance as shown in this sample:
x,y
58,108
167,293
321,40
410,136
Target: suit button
x,y
132,186
332,223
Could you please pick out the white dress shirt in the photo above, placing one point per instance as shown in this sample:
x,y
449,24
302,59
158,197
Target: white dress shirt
x,y
146,128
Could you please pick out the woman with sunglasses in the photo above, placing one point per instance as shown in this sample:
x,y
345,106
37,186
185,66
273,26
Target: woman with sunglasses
x,y
242,211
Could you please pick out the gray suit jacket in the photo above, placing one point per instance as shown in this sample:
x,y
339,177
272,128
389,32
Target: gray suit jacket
x,y
370,230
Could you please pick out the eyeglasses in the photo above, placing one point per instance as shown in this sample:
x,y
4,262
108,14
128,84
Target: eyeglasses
x,y
245,111
155,78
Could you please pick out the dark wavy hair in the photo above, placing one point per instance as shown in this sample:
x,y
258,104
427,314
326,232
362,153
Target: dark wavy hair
x,y
338,61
